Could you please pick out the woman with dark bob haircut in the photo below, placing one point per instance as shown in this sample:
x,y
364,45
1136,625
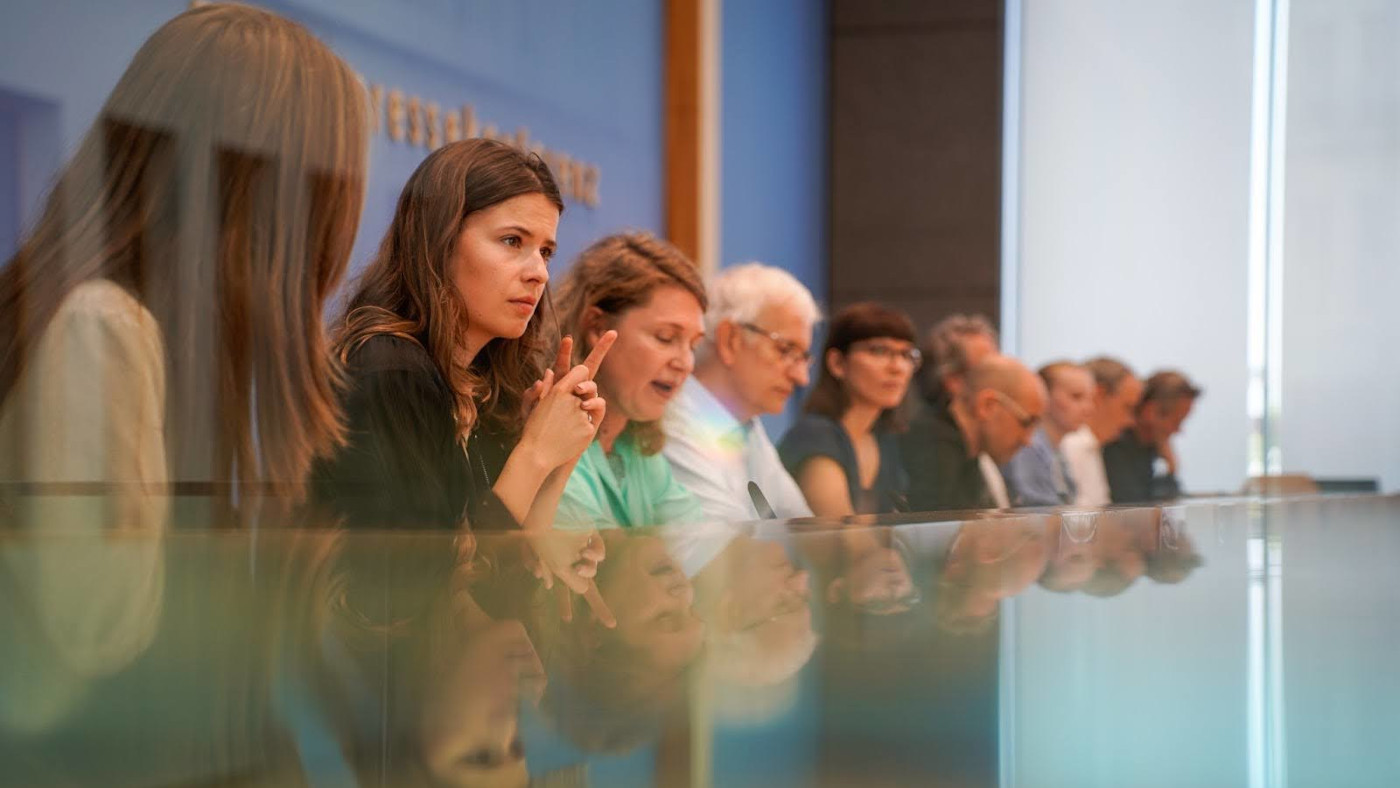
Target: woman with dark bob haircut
x,y
843,451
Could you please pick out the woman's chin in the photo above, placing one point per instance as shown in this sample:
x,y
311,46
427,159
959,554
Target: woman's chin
x,y
513,329
648,413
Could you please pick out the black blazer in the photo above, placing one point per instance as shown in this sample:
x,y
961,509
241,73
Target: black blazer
x,y
404,466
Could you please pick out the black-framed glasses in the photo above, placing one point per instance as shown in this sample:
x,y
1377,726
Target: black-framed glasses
x,y
790,352
1026,420
885,352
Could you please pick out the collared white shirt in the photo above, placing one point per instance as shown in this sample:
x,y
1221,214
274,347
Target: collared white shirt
x,y
716,456
1084,457
996,485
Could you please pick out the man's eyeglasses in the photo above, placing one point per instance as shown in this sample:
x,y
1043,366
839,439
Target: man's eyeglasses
x,y
1026,420
790,352
886,352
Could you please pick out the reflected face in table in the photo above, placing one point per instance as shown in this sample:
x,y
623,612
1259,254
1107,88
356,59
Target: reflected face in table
x,y
654,603
469,724
878,582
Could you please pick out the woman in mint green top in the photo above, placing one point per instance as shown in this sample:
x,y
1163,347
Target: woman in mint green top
x,y
652,295
624,487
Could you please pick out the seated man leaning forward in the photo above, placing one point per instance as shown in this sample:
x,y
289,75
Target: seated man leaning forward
x,y
1131,461
755,354
996,413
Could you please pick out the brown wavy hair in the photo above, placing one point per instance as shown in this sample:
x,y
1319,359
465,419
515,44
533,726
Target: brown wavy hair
x,y
221,186
407,289
615,274
857,323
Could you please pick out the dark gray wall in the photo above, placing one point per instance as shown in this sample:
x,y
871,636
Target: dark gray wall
x,y
916,155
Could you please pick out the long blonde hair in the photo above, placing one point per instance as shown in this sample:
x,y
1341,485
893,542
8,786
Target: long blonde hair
x,y
221,185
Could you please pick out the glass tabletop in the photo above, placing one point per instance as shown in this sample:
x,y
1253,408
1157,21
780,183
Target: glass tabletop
x,y
1215,642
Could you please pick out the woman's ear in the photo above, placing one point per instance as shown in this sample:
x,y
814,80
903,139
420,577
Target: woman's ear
x,y
836,363
595,323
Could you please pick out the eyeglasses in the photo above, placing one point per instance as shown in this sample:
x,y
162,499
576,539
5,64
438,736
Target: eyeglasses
x,y
885,352
790,352
1023,418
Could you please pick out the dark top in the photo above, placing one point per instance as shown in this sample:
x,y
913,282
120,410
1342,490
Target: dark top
x,y
1132,477
819,436
403,466
942,476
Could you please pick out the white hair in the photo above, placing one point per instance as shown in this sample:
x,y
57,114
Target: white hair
x,y
741,292
748,659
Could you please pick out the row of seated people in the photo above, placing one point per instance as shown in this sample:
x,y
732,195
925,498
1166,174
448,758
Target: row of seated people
x,y
164,323
1085,434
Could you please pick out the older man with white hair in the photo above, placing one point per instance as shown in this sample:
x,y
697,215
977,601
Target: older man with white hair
x,y
757,348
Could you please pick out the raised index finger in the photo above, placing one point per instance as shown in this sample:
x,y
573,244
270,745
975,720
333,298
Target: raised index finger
x,y
564,358
600,609
595,357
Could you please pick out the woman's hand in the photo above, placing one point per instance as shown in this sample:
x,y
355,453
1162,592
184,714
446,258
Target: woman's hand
x,y
564,418
571,557
536,392
1168,453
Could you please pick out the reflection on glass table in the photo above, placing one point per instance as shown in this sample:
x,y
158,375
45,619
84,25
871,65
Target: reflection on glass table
x,y
1038,648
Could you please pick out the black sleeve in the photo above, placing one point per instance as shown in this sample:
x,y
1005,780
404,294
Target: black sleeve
x,y
487,453
403,466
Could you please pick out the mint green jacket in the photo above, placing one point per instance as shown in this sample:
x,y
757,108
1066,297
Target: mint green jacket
x,y
647,493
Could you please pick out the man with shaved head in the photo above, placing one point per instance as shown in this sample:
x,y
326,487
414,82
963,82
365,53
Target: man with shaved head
x,y
996,413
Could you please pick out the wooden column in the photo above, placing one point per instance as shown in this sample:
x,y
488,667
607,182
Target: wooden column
x,y
692,129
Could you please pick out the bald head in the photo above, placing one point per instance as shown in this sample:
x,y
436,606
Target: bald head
x,y
1004,374
1005,400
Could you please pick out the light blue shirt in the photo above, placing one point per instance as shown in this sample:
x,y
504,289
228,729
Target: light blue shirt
x,y
716,456
1038,475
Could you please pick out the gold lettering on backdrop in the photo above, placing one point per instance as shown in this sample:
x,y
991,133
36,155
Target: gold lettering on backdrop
x,y
413,120
434,129
416,136
563,172
578,191
469,127
452,127
590,186
376,98
396,116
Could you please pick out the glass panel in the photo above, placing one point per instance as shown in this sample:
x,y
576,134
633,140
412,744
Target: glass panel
x,y
1342,242
1143,646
